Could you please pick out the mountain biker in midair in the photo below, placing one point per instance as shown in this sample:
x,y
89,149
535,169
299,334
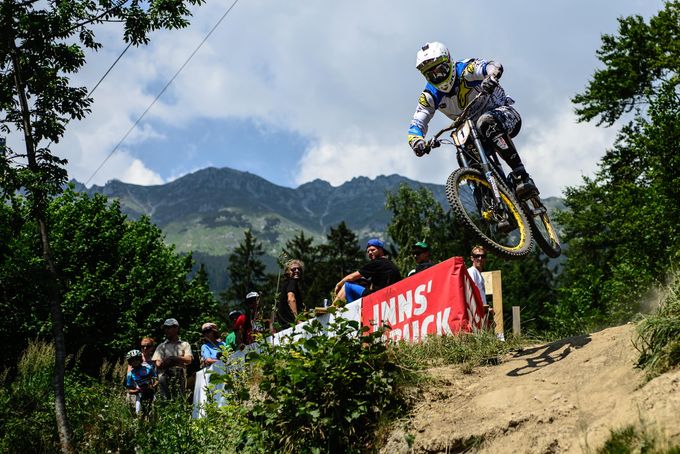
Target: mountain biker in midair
x,y
451,86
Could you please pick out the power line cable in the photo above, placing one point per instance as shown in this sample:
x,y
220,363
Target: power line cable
x,y
186,62
101,79
110,68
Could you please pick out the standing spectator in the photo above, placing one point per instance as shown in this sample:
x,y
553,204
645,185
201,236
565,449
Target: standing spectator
x,y
231,340
211,350
478,257
249,323
421,254
378,273
172,357
148,347
140,382
290,301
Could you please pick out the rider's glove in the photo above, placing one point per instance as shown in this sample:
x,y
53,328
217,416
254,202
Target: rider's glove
x,y
419,146
489,85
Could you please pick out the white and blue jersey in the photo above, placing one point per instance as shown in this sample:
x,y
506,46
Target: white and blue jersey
x,y
467,84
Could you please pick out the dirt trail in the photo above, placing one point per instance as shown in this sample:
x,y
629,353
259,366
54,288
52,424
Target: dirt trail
x,y
561,397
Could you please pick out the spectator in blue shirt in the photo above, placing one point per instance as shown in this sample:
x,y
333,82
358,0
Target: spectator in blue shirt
x,y
211,350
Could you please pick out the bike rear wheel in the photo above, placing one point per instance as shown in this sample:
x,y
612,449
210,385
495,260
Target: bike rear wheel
x,y
503,228
542,228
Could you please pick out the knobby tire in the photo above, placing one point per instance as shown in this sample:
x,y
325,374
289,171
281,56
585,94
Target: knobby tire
x,y
465,189
543,230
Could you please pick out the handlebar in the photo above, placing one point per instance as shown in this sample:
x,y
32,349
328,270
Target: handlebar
x,y
434,141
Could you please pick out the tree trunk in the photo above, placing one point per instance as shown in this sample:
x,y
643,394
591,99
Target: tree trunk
x,y
39,207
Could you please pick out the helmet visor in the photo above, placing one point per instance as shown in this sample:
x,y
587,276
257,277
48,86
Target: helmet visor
x,y
438,73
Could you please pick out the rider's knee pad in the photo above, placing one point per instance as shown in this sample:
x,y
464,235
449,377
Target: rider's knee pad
x,y
488,126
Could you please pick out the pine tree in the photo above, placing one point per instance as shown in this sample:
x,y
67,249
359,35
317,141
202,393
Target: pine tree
x,y
246,270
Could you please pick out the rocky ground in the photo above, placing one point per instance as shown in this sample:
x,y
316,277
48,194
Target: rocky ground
x,y
561,397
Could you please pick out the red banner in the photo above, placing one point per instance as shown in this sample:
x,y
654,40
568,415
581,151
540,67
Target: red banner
x,y
440,300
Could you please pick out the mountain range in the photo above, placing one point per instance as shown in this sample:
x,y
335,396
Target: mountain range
x,y
206,212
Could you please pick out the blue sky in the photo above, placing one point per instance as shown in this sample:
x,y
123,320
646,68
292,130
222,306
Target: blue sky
x,y
298,90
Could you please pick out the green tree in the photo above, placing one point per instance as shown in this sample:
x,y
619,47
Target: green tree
x,y
246,269
42,44
302,247
621,225
340,255
119,282
417,216
639,63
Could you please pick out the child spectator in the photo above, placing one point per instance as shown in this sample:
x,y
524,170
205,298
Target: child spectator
x,y
140,381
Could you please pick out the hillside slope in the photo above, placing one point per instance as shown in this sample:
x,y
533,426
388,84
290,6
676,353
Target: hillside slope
x,y
561,397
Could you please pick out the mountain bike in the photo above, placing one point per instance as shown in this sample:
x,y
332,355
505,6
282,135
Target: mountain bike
x,y
483,197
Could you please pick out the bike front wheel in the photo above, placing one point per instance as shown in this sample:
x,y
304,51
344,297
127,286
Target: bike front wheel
x,y
500,225
542,228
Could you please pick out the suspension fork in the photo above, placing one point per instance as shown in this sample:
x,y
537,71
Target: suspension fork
x,y
486,167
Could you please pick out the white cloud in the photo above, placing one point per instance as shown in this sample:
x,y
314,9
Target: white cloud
x,y
341,75
137,173
558,151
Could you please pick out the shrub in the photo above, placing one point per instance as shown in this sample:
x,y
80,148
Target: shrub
x,y
318,393
658,335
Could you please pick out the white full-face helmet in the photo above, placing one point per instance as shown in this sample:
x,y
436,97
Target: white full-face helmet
x,y
434,62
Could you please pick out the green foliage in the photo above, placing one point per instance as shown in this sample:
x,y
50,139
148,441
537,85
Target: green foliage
x,y
638,63
658,334
621,225
340,255
119,280
319,393
631,439
467,349
246,269
417,216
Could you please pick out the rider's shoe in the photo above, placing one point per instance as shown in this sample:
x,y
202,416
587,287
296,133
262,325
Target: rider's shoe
x,y
526,188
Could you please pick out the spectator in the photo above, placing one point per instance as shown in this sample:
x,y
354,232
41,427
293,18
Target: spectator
x,y
249,324
378,273
148,347
230,340
172,357
421,254
211,350
140,382
478,257
290,301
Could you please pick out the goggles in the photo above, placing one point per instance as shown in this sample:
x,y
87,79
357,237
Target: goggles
x,y
438,73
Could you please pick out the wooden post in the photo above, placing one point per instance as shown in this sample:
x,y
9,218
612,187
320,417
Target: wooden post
x,y
516,322
494,287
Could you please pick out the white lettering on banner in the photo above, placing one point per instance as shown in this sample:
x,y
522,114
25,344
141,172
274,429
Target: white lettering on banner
x,y
405,305
404,333
401,308
421,300
443,322
389,314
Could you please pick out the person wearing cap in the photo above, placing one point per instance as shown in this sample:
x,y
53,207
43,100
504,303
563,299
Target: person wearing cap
x,y
290,300
231,341
478,257
211,350
248,323
378,273
172,357
140,382
421,254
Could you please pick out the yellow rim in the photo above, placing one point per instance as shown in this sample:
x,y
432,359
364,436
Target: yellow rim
x,y
513,210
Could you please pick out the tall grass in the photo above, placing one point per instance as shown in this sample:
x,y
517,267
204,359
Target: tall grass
x,y
658,335
467,349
